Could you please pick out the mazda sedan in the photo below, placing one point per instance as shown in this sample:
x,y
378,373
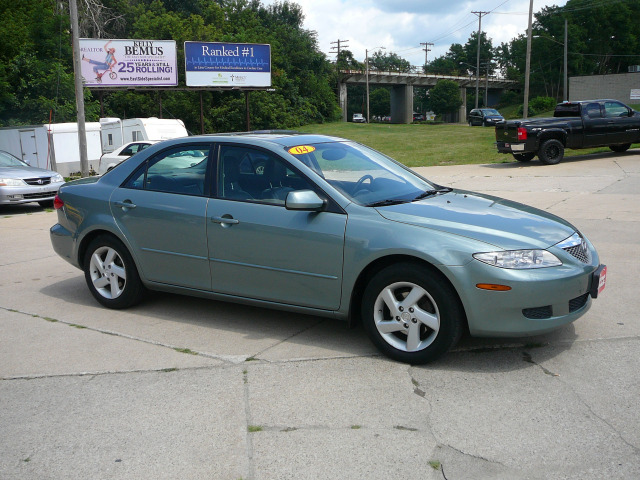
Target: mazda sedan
x,y
325,226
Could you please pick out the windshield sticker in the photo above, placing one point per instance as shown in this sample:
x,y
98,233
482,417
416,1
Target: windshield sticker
x,y
301,149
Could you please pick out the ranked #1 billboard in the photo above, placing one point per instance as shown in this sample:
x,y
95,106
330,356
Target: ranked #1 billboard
x,y
125,63
215,64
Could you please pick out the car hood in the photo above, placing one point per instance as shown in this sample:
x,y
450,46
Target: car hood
x,y
494,117
25,172
502,223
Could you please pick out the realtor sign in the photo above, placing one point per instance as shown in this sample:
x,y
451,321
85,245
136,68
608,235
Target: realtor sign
x,y
213,64
125,63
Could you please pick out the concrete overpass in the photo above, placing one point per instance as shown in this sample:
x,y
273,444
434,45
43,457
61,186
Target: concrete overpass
x,y
402,91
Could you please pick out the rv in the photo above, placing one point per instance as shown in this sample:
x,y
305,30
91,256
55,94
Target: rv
x,y
117,132
53,147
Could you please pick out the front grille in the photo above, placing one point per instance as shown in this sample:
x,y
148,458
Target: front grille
x,y
34,196
578,302
581,252
38,181
538,313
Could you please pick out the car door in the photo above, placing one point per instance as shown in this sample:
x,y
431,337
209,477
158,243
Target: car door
x,y
258,248
162,211
596,127
623,127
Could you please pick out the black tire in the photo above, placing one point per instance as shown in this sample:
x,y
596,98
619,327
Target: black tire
x,y
470,123
436,303
620,148
46,204
111,274
551,152
524,157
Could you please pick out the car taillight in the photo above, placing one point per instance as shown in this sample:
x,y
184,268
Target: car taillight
x,y
58,203
522,133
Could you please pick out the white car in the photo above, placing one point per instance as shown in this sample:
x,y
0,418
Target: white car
x,y
359,118
110,160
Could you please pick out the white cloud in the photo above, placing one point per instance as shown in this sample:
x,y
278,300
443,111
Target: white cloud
x,y
401,26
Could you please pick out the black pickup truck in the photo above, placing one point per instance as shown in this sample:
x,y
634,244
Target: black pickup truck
x,y
580,124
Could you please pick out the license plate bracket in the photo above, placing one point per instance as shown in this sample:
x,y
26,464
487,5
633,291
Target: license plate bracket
x,y
598,281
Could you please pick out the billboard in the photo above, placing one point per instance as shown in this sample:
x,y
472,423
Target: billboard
x,y
126,63
214,64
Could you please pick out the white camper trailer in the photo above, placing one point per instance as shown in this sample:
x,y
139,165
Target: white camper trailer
x,y
116,132
54,146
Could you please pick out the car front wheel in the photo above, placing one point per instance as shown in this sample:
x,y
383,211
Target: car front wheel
x,y
620,148
111,274
411,314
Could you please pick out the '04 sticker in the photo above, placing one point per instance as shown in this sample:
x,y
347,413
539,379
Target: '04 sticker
x,y
301,149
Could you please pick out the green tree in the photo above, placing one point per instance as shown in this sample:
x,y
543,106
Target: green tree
x,y
444,97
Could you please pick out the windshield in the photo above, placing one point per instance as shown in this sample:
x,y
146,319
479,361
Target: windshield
x,y
363,175
491,111
8,160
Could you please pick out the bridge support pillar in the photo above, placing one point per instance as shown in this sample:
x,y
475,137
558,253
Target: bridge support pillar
x,y
402,104
342,92
462,113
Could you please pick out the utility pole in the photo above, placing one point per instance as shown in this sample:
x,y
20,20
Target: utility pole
x,y
340,45
77,69
426,53
479,14
527,68
566,39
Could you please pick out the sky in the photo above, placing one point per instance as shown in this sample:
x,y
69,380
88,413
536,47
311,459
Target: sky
x,y
401,25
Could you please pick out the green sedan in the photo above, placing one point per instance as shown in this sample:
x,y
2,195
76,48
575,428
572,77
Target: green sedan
x,y
325,226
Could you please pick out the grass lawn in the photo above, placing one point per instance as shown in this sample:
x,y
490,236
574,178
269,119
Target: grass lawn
x,y
422,145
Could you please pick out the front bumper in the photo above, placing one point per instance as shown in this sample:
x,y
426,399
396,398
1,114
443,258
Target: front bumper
x,y
540,300
28,193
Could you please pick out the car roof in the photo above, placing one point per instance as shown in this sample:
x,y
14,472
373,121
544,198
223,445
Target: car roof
x,y
284,138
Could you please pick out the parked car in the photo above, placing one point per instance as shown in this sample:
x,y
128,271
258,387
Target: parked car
x,y
576,125
418,117
325,226
359,118
110,160
486,117
21,183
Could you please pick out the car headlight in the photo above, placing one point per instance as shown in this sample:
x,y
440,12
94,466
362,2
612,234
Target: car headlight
x,y
11,182
519,259
57,178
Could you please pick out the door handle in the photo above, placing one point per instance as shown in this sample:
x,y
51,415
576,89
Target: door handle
x,y
224,221
124,205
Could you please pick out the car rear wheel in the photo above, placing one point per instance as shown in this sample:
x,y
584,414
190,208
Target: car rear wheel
x,y
111,274
411,314
620,148
524,157
551,152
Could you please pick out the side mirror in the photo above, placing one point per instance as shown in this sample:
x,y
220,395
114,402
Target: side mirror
x,y
304,200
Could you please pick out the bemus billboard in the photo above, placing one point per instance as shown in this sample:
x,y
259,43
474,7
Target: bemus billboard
x,y
214,64
126,63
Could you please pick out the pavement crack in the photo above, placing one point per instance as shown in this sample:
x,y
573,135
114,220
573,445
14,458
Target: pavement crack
x,y
526,356
230,359
293,335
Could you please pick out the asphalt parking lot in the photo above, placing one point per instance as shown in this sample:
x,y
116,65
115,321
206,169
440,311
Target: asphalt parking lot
x,y
180,387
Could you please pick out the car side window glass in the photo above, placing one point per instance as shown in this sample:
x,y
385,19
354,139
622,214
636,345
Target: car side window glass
x,y
128,151
615,109
180,170
254,175
593,110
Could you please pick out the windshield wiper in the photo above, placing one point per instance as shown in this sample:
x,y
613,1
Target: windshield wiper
x,y
388,201
429,193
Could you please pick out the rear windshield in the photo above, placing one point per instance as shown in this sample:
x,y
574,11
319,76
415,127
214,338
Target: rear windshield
x,y
567,110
